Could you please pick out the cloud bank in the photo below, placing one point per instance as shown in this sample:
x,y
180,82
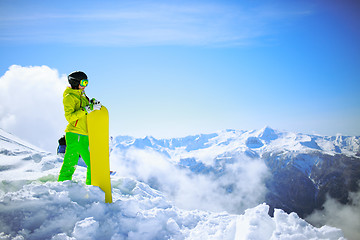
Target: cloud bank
x,y
31,104
192,191
346,217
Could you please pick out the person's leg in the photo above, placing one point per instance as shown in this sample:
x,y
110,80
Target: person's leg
x,y
85,154
71,157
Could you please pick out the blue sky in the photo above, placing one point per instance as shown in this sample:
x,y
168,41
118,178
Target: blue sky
x,y
174,68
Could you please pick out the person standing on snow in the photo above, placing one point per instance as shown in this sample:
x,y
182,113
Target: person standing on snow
x,y
76,107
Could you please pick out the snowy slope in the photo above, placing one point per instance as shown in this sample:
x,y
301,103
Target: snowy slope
x,y
34,206
9,141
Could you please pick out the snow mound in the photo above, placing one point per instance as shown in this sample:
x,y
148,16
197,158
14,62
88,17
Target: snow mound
x,y
73,210
256,224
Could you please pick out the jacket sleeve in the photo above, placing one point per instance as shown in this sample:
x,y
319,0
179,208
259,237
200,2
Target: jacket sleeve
x,y
71,114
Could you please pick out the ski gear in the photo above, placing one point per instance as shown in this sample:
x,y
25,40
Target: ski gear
x,y
62,146
88,109
92,107
62,140
94,101
98,122
61,150
75,78
74,101
76,145
97,106
84,82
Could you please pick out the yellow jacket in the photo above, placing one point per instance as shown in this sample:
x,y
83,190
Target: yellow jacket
x,y
74,101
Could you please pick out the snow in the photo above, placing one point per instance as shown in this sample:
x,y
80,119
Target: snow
x,y
33,205
206,147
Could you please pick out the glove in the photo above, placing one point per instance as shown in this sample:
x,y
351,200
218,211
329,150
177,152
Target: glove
x,y
92,107
94,101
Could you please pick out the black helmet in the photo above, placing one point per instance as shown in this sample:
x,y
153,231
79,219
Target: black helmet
x,y
74,78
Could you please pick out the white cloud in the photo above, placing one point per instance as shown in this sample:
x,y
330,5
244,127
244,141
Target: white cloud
x,y
345,217
31,104
140,23
196,191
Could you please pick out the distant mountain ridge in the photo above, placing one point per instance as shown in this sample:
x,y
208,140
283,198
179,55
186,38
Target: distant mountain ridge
x,y
304,168
261,140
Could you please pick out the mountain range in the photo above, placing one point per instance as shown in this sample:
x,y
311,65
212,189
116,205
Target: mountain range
x,y
303,170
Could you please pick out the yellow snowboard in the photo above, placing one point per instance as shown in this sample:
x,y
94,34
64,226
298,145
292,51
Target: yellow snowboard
x,y
98,128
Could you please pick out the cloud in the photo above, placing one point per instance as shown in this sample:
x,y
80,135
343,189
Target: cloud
x,y
155,23
345,217
31,104
196,191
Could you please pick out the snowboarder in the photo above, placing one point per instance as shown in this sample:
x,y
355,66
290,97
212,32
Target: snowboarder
x,y
76,107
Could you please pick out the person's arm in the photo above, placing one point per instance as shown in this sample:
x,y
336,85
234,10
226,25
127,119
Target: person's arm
x,y
69,107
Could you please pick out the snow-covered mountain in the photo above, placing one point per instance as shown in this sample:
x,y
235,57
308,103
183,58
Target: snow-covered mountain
x,y
33,205
253,143
302,169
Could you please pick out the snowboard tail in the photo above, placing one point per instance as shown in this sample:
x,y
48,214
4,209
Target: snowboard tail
x,y
98,129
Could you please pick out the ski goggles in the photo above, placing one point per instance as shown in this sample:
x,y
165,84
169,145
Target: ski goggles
x,y
84,82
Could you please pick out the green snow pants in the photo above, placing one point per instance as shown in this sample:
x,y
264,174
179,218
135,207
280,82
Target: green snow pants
x,y
76,145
